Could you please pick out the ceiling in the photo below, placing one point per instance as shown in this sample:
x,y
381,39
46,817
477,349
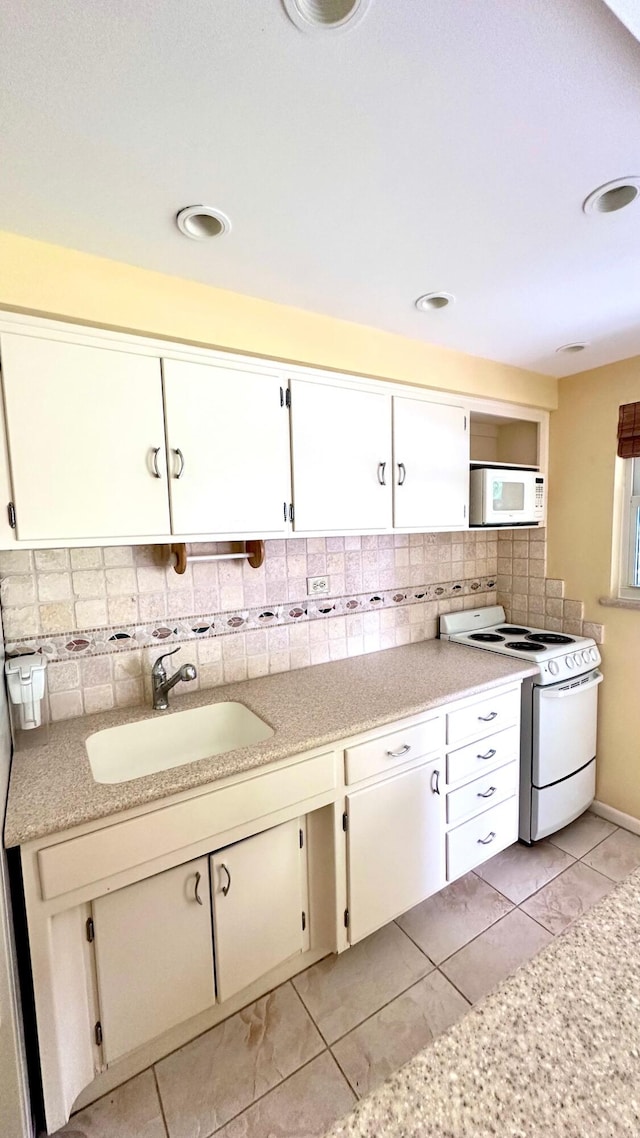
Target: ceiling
x,y
438,145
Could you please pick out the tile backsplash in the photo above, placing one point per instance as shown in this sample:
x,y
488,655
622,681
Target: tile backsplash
x,y
102,615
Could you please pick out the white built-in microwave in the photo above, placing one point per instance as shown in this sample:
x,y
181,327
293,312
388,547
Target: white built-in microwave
x,y
506,497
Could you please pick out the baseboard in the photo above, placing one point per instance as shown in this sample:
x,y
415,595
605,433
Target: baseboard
x,y
627,821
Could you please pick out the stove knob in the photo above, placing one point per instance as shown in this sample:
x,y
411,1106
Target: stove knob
x,y
586,657
554,667
570,661
577,658
593,655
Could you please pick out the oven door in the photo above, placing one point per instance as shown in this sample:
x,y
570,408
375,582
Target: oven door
x,y
564,728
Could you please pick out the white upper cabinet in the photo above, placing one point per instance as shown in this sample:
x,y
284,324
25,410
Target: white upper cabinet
x,y
430,465
86,440
228,444
341,458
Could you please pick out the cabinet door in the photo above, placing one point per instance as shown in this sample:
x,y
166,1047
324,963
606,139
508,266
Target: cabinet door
x,y
228,439
258,888
395,852
430,465
341,449
154,956
84,425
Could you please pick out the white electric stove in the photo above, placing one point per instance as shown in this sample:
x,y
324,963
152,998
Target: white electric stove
x,y
559,714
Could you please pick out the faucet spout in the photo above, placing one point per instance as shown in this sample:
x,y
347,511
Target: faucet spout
x,y
162,685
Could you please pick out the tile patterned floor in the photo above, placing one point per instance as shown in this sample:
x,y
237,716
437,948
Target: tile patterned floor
x,y
293,1062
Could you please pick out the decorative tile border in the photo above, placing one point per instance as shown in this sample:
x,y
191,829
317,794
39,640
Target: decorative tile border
x,y
103,641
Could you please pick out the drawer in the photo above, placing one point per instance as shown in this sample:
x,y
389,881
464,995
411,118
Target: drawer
x,y
83,860
484,755
487,715
381,755
478,795
482,837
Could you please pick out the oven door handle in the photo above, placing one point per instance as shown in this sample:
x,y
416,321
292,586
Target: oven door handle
x,y
577,690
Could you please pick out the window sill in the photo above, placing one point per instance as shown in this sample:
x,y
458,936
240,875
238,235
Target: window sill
x,y
619,603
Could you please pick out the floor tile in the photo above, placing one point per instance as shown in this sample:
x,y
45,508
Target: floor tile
x,y
375,1049
583,834
341,991
567,897
222,1072
521,870
131,1111
444,923
616,856
478,967
305,1106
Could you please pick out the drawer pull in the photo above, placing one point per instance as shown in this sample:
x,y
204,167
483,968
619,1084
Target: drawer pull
x,y
488,840
489,717
489,754
435,782
398,754
486,793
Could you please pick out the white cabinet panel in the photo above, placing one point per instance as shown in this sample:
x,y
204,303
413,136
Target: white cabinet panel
x,y
341,452
258,889
154,956
395,846
228,440
83,425
430,465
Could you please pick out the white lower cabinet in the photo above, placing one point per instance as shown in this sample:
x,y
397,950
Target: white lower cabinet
x,y
154,956
258,889
395,859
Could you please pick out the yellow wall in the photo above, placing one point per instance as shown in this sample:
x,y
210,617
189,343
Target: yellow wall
x,y
582,531
48,280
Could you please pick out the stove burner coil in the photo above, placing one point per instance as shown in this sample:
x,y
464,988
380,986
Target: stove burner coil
x,y
512,630
487,637
549,638
522,646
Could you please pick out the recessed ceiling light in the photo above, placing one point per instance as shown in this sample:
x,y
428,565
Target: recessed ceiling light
x,y
612,196
327,15
570,349
201,222
432,300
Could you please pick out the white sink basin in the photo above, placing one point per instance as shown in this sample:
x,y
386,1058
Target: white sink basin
x,y
135,749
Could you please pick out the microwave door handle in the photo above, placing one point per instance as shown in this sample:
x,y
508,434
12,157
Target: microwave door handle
x,y
577,690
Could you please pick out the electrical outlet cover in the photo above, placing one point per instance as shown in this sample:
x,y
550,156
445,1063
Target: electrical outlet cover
x,y
317,586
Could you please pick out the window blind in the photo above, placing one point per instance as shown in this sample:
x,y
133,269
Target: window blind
x,y
629,431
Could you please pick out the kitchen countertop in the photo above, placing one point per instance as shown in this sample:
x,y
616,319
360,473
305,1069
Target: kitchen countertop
x,y
552,1053
52,788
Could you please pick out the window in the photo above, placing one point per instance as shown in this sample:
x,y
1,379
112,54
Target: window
x,y
630,549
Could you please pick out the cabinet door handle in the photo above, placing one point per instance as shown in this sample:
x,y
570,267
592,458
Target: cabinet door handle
x,y
180,455
489,717
398,754
487,841
486,793
196,894
382,466
435,782
489,754
154,462
226,888
402,473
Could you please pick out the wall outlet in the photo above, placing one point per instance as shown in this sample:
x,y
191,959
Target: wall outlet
x,y
317,586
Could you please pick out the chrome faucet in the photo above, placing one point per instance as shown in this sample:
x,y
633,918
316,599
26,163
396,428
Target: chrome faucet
x,y
161,686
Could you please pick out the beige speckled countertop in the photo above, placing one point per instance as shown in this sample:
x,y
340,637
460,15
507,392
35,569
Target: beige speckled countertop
x,y
554,1052
52,788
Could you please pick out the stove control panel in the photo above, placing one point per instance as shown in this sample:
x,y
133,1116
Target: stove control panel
x,y
569,664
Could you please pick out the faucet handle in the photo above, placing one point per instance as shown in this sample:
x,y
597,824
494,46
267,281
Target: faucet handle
x,y
158,667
